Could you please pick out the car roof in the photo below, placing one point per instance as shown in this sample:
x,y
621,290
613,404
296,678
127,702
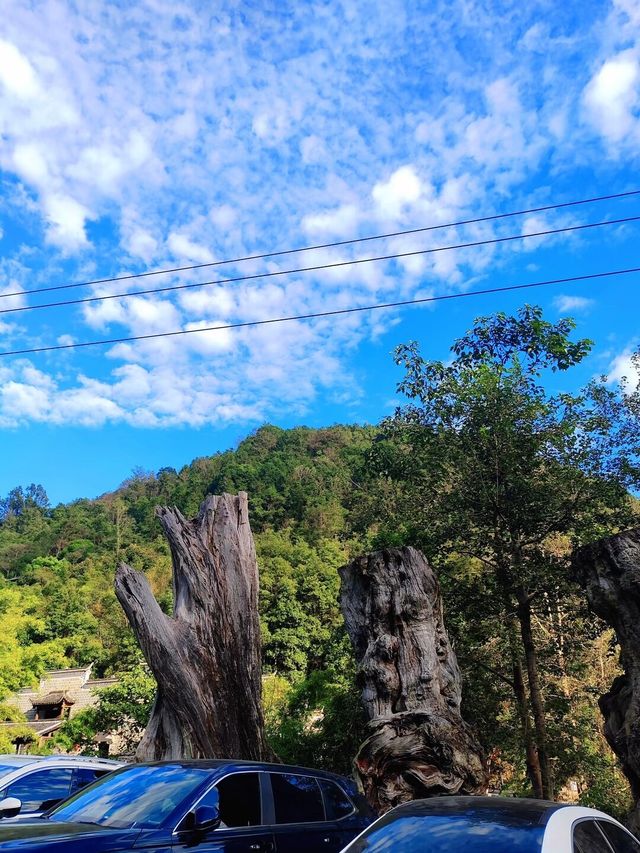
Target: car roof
x,y
18,760
239,764
505,809
84,759
12,764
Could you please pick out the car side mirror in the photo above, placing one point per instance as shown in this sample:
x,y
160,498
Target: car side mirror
x,y
206,818
10,807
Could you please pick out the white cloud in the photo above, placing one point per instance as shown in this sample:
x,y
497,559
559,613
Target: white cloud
x,y
623,367
67,219
131,130
16,72
21,401
17,300
210,342
403,188
343,221
223,216
184,248
30,163
149,314
142,244
612,97
565,303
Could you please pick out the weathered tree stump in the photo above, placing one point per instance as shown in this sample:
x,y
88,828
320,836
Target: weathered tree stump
x,y
418,744
206,658
609,571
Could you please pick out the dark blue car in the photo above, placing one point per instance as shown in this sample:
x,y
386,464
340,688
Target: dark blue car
x,y
203,806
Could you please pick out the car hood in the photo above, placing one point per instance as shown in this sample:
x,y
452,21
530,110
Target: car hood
x,y
45,834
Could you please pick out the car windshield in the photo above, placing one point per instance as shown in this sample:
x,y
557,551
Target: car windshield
x,y
143,797
449,834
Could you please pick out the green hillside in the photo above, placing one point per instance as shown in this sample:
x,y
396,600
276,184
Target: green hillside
x,y
321,496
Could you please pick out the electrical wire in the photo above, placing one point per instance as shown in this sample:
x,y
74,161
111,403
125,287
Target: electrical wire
x,y
318,267
279,253
321,314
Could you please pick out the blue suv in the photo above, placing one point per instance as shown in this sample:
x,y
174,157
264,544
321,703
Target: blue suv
x,y
201,806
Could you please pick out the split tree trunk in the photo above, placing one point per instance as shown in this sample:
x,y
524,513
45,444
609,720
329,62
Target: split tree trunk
x,y
609,571
206,658
418,744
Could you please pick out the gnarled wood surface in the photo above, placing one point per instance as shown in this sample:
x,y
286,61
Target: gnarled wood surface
x,y
206,657
418,744
609,571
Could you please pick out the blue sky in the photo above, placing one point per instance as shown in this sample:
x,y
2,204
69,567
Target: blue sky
x,y
160,134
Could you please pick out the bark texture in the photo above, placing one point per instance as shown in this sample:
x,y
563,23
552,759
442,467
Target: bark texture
x,y
609,571
418,744
206,658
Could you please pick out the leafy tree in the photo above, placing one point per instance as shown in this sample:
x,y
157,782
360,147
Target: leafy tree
x,y
299,609
22,660
493,467
320,722
20,500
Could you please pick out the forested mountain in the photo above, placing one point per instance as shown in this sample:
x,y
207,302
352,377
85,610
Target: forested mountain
x,y
428,477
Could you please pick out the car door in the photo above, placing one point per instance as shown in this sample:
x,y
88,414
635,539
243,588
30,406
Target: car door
x,y
40,790
300,824
341,810
242,828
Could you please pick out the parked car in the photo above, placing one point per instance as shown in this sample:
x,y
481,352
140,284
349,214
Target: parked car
x,y
493,825
222,806
32,784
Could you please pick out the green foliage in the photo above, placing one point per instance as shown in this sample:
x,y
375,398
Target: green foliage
x,y
319,722
606,787
495,479
299,587
482,457
23,656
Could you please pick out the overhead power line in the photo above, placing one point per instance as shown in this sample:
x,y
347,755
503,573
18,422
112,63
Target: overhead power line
x,y
280,253
318,267
320,314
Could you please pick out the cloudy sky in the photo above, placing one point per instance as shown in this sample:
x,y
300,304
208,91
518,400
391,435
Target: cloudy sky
x,y
141,136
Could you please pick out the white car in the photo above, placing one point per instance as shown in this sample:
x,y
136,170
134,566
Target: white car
x,y
32,784
493,825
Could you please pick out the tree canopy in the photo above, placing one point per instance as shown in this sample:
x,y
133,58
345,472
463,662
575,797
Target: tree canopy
x,y
488,468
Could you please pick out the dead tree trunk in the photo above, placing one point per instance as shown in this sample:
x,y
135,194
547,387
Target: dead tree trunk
x,y
418,744
609,571
206,658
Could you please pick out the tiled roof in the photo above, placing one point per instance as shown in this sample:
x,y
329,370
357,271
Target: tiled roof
x,y
54,697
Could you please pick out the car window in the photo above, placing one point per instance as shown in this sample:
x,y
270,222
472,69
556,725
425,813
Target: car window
x,y
620,840
587,838
336,802
42,789
144,797
83,776
449,834
297,799
239,800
